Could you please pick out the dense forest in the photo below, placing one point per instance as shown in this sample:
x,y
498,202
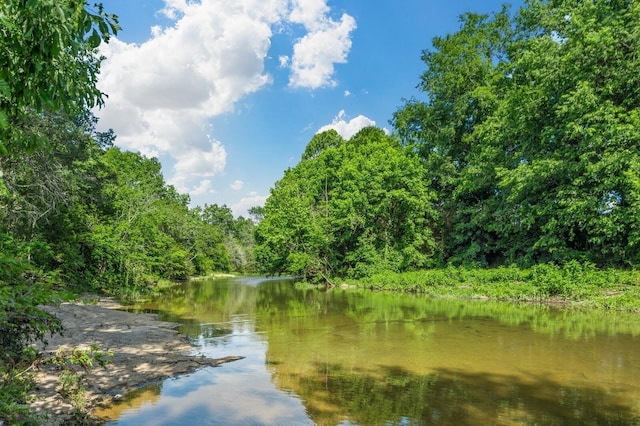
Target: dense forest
x,y
524,151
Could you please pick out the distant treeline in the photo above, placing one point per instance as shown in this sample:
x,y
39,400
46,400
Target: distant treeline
x,y
103,219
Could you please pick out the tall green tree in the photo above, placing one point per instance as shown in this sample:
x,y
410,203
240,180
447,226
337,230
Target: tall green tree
x,y
529,133
238,236
48,66
575,79
51,196
292,237
256,213
349,208
463,70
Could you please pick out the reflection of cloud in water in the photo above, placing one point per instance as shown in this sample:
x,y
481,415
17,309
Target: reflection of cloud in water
x,y
241,392
234,337
214,396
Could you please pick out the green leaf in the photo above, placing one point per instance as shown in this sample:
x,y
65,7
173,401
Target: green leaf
x,y
4,122
5,90
94,40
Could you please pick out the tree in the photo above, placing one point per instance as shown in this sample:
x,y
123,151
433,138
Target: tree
x,y
320,142
238,235
256,213
459,83
48,66
290,239
529,132
49,62
45,201
576,76
351,209
220,216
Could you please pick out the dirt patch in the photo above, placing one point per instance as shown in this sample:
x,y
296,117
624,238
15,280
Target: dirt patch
x,y
144,350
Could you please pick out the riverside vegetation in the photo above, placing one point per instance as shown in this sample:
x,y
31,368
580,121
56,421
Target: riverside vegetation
x,y
575,284
518,177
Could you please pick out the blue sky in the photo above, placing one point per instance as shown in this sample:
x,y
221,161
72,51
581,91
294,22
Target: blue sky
x,y
227,93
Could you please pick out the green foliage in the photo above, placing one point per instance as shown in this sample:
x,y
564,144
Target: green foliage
x,y
349,208
22,291
530,134
238,239
72,379
528,142
104,219
321,142
49,62
526,152
77,213
14,391
82,215
574,282
83,358
48,71
256,214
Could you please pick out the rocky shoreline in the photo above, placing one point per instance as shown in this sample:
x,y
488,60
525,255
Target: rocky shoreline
x,y
145,350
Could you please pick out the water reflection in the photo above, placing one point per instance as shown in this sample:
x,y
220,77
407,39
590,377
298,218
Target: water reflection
x,y
455,398
353,357
133,402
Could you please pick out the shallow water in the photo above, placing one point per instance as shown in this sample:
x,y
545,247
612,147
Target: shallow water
x,y
356,357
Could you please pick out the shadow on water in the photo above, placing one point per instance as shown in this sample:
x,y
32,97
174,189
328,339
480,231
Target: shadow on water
x,y
449,397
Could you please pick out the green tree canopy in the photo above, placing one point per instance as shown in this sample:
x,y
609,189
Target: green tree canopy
x,y
530,131
349,208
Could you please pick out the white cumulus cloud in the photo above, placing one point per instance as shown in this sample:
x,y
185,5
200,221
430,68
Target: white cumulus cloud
x,y
284,61
163,92
345,128
195,164
327,43
204,187
241,208
237,185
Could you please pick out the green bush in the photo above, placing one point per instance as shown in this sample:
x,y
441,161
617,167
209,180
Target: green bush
x,y
22,290
22,322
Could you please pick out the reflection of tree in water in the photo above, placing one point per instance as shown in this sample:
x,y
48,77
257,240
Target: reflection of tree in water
x,y
203,301
455,398
367,307
149,394
217,300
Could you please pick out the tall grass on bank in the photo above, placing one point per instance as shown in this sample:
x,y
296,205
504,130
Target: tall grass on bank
x,y
575,282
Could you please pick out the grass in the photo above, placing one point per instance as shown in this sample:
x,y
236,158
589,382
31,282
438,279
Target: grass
x,y
573,283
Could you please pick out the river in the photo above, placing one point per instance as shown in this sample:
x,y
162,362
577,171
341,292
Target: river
x,y
352,357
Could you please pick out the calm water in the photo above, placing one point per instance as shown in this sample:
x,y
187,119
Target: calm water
x,y
351,357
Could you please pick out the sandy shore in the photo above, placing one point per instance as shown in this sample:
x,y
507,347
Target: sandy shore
x,y
145,350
